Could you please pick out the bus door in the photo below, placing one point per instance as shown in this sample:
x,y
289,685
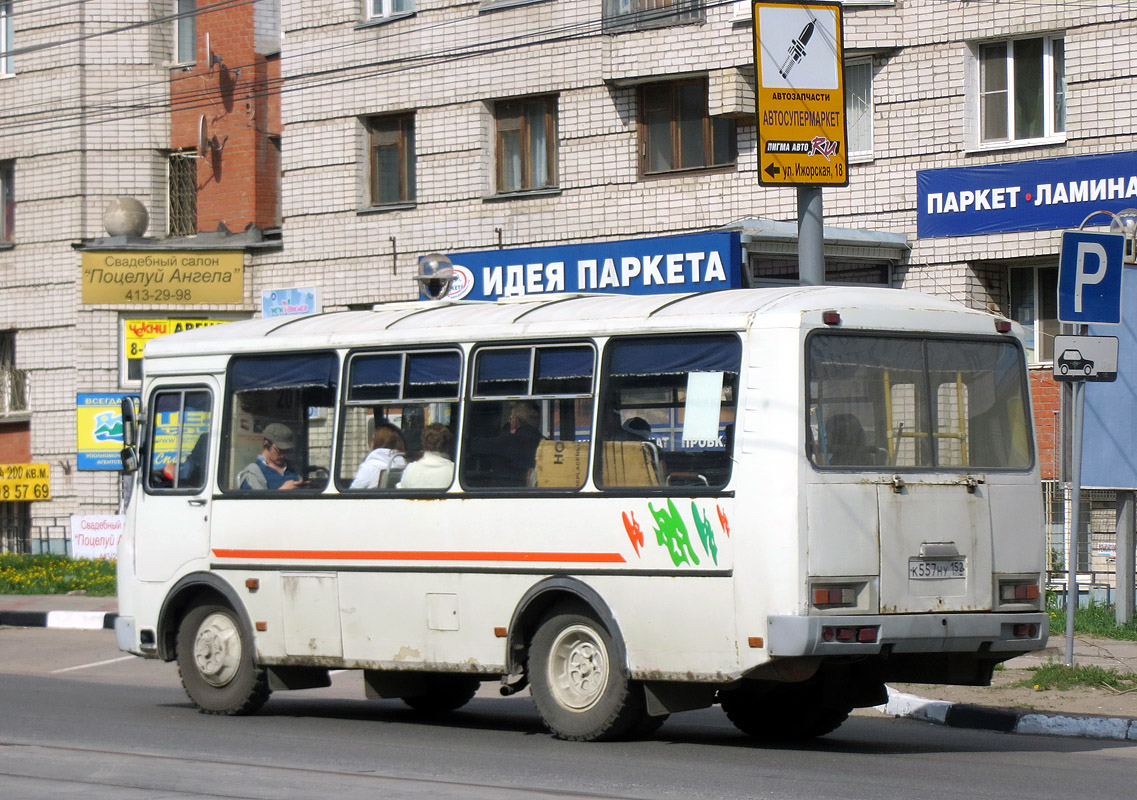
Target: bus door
x,y
173,509
935,546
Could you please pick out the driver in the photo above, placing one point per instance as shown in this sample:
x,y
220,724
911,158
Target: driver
x,y
271,470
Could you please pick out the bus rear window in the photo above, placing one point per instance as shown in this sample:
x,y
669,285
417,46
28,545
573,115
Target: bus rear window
x,y
894,402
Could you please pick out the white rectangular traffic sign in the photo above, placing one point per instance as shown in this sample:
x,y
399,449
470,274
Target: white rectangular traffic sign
x,y
1089,278
1085,358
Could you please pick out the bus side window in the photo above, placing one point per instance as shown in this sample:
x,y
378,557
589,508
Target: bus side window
x,y
293,396
529,418
668,413
179,439
402,393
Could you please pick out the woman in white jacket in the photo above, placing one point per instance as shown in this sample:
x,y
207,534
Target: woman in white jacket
x,y
387,448
434,470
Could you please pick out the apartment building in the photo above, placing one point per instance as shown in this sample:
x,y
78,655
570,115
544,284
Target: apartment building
x,y
506,132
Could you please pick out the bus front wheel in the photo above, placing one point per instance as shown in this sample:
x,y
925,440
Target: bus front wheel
x,y
215,661
580,693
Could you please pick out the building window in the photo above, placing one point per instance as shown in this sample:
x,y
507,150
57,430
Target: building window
x,y
859,110
185,33
1022,90
526,144
641,14
7,38
391,143
7,201
15,527
1034,303
385,9
183,194
677,133
783,271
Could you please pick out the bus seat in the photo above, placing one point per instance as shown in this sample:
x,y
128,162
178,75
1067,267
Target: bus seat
x,y
560,464
631,464
390,478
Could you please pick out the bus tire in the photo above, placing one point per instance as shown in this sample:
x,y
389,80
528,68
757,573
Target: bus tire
x,y
215,662
580,693
444,693
781,712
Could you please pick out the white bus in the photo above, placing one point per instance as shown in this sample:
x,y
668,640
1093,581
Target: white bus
x,y
775,500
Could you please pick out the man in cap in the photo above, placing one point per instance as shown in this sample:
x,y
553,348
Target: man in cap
x,y
271,470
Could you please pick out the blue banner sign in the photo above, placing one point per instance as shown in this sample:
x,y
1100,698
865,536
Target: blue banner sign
x,y
661,265
1047,194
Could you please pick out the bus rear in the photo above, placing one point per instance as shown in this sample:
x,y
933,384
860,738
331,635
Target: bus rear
x,y
918,515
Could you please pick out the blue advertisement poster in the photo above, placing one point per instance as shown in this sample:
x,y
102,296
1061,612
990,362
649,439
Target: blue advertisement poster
x,y
660,265
1046,194
98,430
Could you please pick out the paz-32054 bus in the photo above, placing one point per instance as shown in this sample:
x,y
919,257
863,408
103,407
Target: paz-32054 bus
x,y
773,500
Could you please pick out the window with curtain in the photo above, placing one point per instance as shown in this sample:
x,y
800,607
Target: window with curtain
x,y
644,14
1034,304
1022,89
7,37
677,132
526,143
383,9
391,145
859,108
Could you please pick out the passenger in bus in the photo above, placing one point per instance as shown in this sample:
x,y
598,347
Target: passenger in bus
x,y
512,454
387,447
271,470
845,442
434,470
637,429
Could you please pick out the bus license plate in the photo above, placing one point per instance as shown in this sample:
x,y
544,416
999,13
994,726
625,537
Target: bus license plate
x,y
928,569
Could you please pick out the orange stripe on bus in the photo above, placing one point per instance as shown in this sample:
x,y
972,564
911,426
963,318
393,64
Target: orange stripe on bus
x,y
420,555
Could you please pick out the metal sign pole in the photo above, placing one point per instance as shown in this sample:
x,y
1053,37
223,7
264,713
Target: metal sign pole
x,y
1075,502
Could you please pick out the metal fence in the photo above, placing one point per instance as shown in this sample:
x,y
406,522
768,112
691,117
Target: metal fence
x,y
1095,541
18,535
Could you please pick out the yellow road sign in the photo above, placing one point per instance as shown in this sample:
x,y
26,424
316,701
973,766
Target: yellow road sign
x,y
800,97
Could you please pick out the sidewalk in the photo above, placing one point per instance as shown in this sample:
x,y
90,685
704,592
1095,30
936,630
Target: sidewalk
x,y
1065,714
1091,712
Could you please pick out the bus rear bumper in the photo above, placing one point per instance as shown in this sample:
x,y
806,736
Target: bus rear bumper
x,y
1000,635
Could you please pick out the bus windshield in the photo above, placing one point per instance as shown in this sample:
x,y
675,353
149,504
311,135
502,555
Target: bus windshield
x,y
904,402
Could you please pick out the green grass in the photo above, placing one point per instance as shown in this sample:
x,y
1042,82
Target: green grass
x,y
52,574
1096,619
1059,676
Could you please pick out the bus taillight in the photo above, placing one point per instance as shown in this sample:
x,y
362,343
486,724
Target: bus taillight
x,y
864,634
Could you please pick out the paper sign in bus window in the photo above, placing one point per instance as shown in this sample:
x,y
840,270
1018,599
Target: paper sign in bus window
x,y
701,411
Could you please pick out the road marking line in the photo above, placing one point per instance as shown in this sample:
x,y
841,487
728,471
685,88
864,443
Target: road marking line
x,y
95,664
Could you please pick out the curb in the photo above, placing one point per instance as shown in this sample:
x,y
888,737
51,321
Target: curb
x,y
1003,720
73,620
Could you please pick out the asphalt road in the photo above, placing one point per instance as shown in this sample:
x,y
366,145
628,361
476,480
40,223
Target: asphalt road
x,y
80,719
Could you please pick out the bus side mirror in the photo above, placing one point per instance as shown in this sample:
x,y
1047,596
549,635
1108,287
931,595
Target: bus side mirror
x,y
129,423
129,454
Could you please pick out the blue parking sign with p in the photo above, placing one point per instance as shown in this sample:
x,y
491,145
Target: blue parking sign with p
x,y
1089,278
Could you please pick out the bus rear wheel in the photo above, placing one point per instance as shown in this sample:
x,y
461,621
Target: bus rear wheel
x,y
782,711
444,693
580,693
215,661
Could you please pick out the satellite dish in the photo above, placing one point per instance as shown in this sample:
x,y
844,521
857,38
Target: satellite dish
x,y
202,136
